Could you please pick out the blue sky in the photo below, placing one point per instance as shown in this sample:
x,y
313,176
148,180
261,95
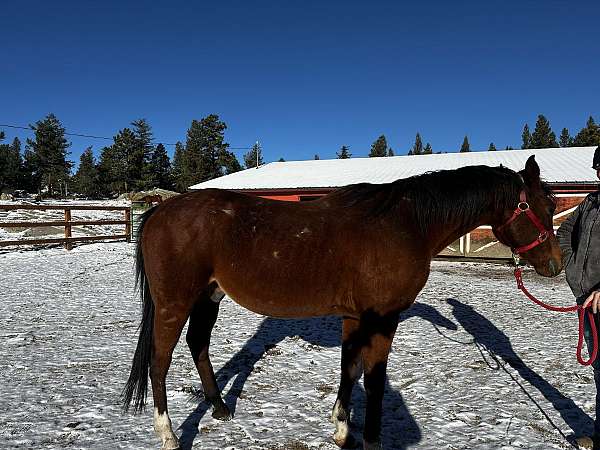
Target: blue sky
x,y
305,77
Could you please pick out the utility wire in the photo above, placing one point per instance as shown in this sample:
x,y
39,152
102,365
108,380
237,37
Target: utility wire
x,y
31,128
68,134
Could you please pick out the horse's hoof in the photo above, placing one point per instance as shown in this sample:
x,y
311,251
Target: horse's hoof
x,y
372,445
347,442
170,444
222,413
585,442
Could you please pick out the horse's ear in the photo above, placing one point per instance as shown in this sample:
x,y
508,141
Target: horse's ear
x,y
531,174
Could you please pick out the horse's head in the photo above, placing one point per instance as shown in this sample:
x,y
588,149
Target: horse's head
x,y
527,228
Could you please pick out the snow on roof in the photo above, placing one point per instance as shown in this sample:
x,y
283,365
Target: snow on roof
x,y
557,165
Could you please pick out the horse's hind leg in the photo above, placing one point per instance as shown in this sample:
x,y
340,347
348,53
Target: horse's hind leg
x,y
351,371
202,320
168,324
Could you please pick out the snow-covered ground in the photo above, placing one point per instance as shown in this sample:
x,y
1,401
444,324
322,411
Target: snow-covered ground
x,y
474,364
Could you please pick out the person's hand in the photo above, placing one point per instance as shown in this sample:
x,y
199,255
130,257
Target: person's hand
x,y
594,299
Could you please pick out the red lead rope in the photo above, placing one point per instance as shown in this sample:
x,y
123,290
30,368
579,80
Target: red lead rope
x,y
578,308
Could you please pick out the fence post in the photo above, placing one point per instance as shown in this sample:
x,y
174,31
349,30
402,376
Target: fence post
x,y
68,244
128,224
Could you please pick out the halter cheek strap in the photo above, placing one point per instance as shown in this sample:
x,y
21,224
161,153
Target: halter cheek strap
x,y
523,207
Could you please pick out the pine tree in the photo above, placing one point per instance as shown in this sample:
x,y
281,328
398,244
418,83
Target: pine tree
x,y
344,152
508,147
428,150
281,160
205,148
178,169
317,156
417,148
112,171
465,147
229,162
103,167
30,172
17,161
160,168
120,166
589,135
4,157
492,147
254,157
86,180
526,137
130,160
565,139
140,167
50,148
379,147
390,151
543,136
10,165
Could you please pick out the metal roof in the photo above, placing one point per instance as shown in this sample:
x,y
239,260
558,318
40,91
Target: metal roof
x,y
557,165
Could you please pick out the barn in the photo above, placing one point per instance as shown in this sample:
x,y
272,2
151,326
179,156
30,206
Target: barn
x,y
567,170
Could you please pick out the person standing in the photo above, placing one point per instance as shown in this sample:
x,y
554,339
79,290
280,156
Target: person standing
x,y
579,240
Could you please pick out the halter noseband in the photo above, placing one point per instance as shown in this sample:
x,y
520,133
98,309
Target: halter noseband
x,y
523,207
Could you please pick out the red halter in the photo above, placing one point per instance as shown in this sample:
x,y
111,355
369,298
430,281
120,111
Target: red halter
x,y
523,207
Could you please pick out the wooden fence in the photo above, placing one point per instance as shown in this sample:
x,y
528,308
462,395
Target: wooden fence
x,y
67,223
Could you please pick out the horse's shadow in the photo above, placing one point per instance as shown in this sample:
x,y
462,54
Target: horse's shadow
x,y
325,332
499,347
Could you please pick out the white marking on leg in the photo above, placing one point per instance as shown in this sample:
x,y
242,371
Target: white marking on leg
x,y
342,429
164,430
336,410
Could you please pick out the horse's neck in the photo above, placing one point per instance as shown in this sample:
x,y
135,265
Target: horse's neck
x,y
441,235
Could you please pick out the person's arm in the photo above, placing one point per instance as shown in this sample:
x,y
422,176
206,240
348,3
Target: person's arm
x,y
565,235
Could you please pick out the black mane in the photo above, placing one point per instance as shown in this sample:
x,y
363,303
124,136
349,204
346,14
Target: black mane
x,y
445,196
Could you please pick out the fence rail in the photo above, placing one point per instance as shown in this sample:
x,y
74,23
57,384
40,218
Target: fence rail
x,y
67,223
64,207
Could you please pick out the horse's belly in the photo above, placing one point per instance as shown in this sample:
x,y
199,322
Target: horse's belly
x,y
284,300
297,283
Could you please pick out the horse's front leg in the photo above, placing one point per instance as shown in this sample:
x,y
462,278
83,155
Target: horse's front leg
x,y
375,354
350,373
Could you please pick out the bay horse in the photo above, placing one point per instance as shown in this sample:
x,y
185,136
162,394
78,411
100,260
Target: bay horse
x,y
362,252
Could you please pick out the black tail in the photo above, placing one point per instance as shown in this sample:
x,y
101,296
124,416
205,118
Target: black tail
x,y
136,388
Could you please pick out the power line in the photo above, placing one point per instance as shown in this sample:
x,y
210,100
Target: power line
x,y
68,134
31,128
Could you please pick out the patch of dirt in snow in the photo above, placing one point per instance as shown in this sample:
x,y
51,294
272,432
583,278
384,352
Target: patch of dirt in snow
x,y
474,365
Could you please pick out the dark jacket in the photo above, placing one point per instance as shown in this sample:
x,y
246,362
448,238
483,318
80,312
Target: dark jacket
x,y
579,239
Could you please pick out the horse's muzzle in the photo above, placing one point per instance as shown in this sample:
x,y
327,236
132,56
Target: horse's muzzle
x,y
555,268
